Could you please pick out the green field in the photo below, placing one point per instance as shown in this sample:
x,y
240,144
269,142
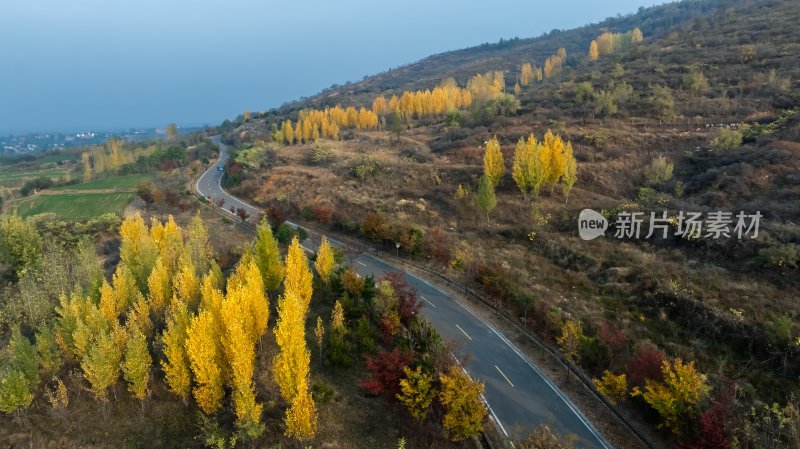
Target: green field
x,y
114,182
11,176
75,206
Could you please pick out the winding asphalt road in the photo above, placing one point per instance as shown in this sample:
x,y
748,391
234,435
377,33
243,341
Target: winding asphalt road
x,y
518,395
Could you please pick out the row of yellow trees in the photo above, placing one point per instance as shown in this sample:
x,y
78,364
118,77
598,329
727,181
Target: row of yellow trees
x,y
447,96
536,164
544,163
425,103
107,157
552,65
607,42
313,124
528,74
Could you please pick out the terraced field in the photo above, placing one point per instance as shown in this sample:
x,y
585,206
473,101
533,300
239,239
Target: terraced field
x,y
114,182
75,206
11,176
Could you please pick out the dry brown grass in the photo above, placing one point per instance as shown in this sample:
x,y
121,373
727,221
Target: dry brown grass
x,y
612,279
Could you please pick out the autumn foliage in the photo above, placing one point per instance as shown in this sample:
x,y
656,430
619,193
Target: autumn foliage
x,y
387,370
169,304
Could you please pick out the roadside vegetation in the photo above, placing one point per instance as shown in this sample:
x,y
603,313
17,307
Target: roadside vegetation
x,y
169,334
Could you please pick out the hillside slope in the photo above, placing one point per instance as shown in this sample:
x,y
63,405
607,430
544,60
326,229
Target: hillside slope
x,y
699,117
655,22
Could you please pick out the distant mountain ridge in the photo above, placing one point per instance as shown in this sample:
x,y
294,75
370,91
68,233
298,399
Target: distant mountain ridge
x,y
506,55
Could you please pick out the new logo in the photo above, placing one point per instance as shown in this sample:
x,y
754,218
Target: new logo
x,y
591,224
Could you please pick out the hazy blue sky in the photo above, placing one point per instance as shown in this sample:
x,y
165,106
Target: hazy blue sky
x,y
105,64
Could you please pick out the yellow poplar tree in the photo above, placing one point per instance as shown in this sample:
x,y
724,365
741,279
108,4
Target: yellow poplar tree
x,y
108,302
593,53
605,43
81,321
239,350
156,231
485,199
570,170
536,173
570,340
186,286
301,417
215,273
325,260
87,166
125,288
548,67
246,285
198,248
337,316
319,334
101,364
211,295
307,130
137,249
288,132
176,366
493,164
136,367
298,276
138,317
268,257
636,35
526,74
379,105
291,365
522,168
169,238
554,154
159,289
203,349
298,132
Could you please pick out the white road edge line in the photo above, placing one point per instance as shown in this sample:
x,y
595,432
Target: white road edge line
x,y
361,263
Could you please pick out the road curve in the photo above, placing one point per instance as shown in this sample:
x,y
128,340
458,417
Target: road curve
x,y
518,395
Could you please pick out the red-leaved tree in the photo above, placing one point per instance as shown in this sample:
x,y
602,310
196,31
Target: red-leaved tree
x,y
645,364
712,432
387,370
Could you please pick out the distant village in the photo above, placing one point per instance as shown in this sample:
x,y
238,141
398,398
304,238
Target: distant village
x,y
34,142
